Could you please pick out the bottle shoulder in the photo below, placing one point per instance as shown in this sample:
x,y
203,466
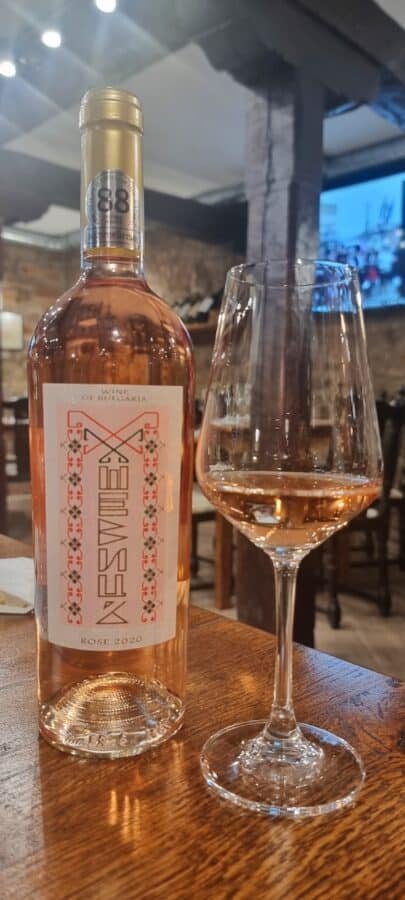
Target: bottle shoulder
x,y
98,307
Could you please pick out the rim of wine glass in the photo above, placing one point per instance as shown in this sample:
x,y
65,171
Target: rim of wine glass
x,y
345,272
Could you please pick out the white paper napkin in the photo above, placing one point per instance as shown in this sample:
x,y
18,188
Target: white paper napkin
x,y
16,585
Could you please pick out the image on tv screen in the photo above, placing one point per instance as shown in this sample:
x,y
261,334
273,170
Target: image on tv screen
x,y
362,225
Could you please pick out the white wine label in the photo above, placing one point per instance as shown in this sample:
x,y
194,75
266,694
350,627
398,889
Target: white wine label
x,y
113,211
112,484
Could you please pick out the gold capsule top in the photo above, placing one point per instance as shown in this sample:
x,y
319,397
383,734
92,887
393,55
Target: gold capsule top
x,y
110,104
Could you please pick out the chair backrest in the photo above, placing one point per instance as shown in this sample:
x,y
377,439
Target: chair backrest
x,y
21,409
21,440
383,413
391,419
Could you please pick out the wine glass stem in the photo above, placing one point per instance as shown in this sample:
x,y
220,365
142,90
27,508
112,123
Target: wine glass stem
x,y
282,722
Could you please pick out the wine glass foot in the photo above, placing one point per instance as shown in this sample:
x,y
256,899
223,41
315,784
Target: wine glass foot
x,y
312,773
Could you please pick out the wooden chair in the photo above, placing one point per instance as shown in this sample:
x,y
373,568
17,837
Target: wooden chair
x,y
222,561
202,511
373,524
21,440
15,429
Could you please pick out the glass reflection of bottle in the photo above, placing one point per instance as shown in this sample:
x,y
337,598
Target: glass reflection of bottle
x,y
111,397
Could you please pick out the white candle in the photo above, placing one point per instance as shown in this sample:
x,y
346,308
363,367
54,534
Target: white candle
x,y
11,331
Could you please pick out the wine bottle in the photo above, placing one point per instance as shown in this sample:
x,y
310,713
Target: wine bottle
x,y
111,397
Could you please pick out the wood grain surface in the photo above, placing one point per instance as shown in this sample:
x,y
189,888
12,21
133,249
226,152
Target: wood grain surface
x,y
148,827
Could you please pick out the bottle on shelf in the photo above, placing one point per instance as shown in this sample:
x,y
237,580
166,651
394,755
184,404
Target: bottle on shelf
x,y
111,401
195,301
177,306
205,307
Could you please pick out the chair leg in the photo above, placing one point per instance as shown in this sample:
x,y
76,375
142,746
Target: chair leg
x,y
334,610
401,523
194,565
223,563
369,545
384,594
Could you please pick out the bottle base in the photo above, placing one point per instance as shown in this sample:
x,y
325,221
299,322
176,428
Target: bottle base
x,y
111,716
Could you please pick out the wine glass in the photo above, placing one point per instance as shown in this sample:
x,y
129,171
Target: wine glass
x,y
289,452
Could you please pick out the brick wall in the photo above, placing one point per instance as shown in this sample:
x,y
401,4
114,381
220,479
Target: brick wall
x,y
34,277
175,266
386,349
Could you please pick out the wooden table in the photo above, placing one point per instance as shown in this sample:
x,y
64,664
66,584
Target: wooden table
x,y
148,827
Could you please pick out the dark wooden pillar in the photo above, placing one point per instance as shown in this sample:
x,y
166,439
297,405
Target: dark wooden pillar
x,y
3,483
284,167
283,182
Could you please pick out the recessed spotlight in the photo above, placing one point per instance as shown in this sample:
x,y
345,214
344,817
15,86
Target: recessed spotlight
x,y
7,68
51,38
107,6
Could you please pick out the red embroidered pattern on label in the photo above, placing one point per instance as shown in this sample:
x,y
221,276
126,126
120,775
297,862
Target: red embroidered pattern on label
x,y
78,448
74,524
150,525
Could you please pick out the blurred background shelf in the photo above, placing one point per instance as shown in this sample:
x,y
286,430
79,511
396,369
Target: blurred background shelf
x,y
202,332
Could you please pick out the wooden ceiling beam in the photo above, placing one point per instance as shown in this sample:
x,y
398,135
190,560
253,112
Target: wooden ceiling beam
x,y
31,185
390,100
305,42
345,45
368,162
365,25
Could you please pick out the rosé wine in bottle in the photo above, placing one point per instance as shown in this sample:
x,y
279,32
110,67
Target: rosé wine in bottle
x,y
111,392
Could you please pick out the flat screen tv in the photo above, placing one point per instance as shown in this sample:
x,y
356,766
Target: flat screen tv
x,y
362,224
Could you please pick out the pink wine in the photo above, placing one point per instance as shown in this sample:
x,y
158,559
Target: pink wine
x,y
288,509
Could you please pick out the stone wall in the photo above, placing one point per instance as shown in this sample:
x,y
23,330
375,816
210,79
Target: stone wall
x,y
32,279
176,265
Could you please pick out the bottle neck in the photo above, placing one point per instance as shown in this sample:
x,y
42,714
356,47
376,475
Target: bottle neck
x,y
112,219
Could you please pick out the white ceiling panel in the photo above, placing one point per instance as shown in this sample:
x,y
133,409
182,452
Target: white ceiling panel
x,y
57,140
395,9
8,130
23,104
194,126
194,116
360,128
33,13
56,221
172,181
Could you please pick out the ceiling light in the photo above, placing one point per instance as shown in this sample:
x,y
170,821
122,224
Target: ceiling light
x,y
107,6
7,68
51,38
